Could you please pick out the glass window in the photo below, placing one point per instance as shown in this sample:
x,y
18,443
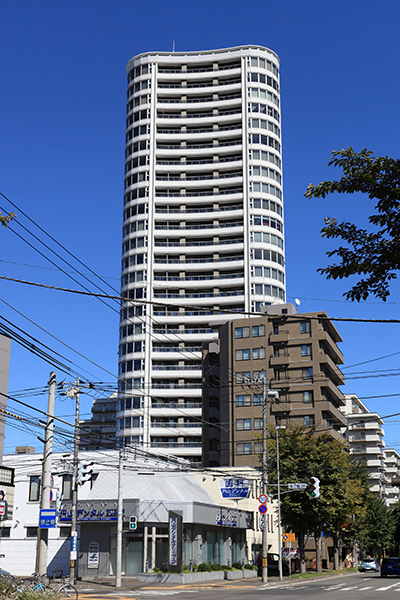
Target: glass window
x,y
305,327
31,532
258,330
307,373
5,532
243,354
306,350
307,397
243,448
257,399
259,375
242,332
258,353
258,447
65,532
243,377
309,420
258,272
258,423
34,488
242,400
242,424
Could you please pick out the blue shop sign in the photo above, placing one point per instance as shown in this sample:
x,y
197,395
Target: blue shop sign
x,y
235,487
90,514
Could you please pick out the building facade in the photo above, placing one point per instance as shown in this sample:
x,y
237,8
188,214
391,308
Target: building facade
x,y
392,472
202,227
215,529
294,355
100,430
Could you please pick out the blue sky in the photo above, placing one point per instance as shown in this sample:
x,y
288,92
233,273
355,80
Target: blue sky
x,y
62,107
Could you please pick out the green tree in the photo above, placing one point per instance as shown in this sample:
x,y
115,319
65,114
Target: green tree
x,y
374,255
379,526
303,454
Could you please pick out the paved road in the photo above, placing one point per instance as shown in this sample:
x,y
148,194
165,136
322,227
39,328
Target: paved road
x,y
347,587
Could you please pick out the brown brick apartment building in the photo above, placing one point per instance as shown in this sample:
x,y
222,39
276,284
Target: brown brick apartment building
x,y
294,354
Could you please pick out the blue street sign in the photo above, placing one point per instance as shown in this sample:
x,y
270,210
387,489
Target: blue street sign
x,y
235,487
47,518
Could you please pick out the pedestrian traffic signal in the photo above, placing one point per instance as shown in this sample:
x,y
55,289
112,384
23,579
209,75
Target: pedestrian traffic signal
x,y
132,523
314,487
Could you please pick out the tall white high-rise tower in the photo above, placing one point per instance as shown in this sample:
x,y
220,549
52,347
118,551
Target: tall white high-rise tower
x,y
203,235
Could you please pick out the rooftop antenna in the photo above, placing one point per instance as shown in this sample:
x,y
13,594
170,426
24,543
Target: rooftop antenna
x,y
173,46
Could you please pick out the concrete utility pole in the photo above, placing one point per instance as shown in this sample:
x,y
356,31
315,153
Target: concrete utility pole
x,y
43,533
118,566
73,392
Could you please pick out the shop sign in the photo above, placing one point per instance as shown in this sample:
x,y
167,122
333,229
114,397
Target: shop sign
x,y
93,555
227,518
235,487
90,514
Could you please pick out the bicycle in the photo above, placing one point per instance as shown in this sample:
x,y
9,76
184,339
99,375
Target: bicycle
x,y
64,589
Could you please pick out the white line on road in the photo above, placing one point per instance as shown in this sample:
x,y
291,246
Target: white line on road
x,y
387,587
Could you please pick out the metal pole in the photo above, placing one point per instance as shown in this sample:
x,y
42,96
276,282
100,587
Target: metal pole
x,y
265,487
118,566
279,504
74,392
42,543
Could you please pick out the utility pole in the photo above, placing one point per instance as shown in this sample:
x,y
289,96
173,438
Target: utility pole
x,y
118,567
264,467
73,392
43,533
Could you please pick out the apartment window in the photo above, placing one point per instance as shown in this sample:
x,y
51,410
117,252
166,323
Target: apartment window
x,y
258,423
308,398
257,399
242,424
243,354
259,375
276,328
67,487
258,353
243,377
34,488
306,350
258,447
242,400
242,332
307,373
244,448
31,532
305,327
258,330
5,532
309,420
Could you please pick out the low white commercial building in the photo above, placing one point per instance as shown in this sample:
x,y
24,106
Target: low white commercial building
x,y
213,529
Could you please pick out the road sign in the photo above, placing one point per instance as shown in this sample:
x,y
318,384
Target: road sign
x,y
2,508
289,537
235,487
297,486
47,518
262,508
263,499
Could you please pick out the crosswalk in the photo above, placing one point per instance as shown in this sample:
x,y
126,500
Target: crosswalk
x,y
342,587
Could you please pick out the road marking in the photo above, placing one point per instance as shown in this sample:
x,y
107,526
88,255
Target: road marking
x,y
368,587
354,587
387,587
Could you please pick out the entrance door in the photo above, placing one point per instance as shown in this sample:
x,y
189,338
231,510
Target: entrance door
x,y
134,555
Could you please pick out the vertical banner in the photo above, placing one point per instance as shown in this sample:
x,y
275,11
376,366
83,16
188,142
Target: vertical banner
x,y
175,519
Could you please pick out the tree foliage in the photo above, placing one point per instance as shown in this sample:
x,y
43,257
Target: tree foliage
x,y
377,534
302,455
5,219
374,255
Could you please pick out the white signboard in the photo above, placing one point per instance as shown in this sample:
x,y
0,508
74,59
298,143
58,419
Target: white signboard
x,y
93,555
235,487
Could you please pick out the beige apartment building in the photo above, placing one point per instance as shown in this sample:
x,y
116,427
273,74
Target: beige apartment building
x,y
295,356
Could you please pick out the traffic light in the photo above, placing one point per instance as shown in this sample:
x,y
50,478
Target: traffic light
x,y
132,522
314,487
84,472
